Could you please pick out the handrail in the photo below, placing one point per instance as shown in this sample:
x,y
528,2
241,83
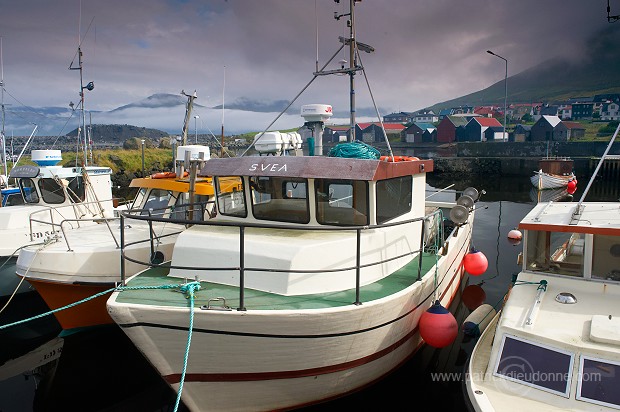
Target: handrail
x,y
62,225
55,209
242,268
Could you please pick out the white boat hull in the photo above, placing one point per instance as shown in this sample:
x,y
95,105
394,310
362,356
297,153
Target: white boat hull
x,y
542,180
279,359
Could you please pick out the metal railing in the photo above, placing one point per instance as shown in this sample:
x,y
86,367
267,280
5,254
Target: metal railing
x,y
242,226
150,213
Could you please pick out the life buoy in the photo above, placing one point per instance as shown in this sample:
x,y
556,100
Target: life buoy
x,y
167,175
398,158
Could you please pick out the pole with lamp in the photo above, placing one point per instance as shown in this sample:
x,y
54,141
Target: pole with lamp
x,y
505,89
196,126
142,140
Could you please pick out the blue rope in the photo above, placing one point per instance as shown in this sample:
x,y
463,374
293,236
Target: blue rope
x,y
356,150
189,290
118,288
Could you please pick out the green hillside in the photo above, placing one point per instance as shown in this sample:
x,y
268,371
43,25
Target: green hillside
x,y
556,80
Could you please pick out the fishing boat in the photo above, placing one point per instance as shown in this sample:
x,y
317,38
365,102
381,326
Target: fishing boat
x,y
73,272
556,172
85,262
555,343
309,283
51,193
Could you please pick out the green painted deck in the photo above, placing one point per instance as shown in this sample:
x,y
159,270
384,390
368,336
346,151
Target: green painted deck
x,y
259,300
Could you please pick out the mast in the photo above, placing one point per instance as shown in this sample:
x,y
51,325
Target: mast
x,y
90,86
351,68
223,88
188,113
2,135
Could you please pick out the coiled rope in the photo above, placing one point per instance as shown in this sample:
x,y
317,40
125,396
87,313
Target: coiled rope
x,y
355,150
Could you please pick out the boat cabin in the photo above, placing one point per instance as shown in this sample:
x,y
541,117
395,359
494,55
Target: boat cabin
x,y
561,241
295,213
319,190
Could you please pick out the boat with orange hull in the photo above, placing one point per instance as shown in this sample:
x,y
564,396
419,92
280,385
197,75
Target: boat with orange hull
x,y
74,273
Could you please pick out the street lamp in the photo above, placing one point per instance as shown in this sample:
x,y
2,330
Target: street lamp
x,y
196,126
505,89
142,157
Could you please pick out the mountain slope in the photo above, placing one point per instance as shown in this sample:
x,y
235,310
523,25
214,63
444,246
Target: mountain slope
x,y
556,79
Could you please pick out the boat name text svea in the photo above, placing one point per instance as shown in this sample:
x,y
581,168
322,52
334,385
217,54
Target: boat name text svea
x,y
274,167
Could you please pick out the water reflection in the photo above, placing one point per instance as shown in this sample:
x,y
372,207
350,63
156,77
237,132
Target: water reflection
x,y
103,370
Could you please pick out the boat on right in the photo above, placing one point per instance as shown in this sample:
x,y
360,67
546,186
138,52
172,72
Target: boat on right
x,y
555,343
553,172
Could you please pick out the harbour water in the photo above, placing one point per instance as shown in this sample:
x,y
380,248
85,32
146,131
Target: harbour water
x,y
100,370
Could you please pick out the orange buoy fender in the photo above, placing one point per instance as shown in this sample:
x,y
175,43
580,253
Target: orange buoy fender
x,y
478,320
438,327
475,262
167,175
398,158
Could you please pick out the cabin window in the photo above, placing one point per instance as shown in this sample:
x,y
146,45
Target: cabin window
x,y
230,198
156,202
555,252
606,257
540,366
77,189
51,191
13,199
280,199
183,210
341,202
599,381
393,198
138,200
29,190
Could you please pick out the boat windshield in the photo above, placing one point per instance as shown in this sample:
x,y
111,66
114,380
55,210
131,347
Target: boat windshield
x,y
29,190
555,252
565,253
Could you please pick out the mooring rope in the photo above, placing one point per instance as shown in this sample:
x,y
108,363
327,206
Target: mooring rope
x,y
118,288
188,289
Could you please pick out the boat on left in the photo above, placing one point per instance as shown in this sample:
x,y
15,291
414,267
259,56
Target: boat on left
x,y
51,193
74,273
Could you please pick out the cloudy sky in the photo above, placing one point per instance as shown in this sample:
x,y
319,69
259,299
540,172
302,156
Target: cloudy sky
x,y
266,50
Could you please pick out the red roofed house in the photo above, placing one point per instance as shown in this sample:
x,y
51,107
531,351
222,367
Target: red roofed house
x,y
478,125
372,133
575,130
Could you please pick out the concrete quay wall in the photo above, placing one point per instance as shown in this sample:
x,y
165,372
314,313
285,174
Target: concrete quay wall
x,y
511,158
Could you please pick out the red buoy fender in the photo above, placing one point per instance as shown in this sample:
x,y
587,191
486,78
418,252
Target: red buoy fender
x,y
475,262
438,327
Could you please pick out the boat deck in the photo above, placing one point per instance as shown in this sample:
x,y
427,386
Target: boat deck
x,y
149,290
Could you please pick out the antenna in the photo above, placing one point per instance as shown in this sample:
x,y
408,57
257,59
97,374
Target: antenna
x,y
223,89
3,157
610,18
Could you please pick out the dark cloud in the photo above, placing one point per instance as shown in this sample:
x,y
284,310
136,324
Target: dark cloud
x,y
426,51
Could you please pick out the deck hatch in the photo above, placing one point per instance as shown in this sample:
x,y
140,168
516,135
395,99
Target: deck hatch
x,y
532,364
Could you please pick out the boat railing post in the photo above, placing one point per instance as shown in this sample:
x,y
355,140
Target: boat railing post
x,y
421,251
241,269
123,250
151,234
357,266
